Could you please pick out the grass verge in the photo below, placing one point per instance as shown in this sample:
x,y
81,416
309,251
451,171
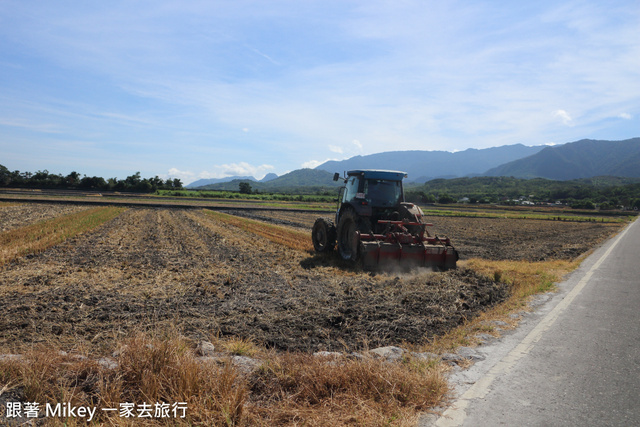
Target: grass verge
x,y
293,239
40,236
287,389
524,278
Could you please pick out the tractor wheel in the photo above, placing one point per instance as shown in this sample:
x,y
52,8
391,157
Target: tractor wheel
x,y
347,227
323,235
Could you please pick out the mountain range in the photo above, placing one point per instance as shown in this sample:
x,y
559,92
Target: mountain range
x,y
209,181
581,159
575,160
298,181
422,166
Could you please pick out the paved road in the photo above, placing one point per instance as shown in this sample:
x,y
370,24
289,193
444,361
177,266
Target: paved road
x,y
574,362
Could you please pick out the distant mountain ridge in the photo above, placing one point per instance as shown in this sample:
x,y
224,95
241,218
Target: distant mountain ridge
x,y
582,159
422,166
209,181
309,179
575,160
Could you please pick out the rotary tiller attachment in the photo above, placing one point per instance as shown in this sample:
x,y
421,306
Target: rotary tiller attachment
x,y
398,248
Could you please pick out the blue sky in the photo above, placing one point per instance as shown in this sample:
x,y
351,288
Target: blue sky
x,y
206,89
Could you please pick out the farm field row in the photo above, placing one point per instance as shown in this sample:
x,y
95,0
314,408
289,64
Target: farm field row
x,y
156,268
150,269
150,200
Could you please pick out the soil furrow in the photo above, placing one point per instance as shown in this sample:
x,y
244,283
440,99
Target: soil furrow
x,y
156,269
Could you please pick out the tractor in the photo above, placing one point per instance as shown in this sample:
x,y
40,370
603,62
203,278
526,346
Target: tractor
x,y
375,226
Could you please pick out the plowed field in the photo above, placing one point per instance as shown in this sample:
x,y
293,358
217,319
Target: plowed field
x,y
18,215
159,269
490,238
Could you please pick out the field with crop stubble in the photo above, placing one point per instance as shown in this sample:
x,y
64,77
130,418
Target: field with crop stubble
x,y
189,269
143,273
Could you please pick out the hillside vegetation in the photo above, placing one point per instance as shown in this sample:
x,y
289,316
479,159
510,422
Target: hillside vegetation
x,y
611,191
581,159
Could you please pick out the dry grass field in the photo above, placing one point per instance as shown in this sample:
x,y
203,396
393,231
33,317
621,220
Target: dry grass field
x,y
150,283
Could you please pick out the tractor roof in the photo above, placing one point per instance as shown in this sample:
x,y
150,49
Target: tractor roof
x,y
378,174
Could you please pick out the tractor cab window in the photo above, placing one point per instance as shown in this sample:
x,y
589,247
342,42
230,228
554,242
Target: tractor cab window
x,y
382,193
351,189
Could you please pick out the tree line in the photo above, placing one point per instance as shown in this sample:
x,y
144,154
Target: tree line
x,y
44,179
602,192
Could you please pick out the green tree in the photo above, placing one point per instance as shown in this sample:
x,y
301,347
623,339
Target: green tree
x,y
583,204
156,183
245,187
93,183
446,199
428,198
145,186
133,181
72,179
5,176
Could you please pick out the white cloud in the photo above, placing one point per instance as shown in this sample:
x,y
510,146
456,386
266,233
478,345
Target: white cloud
x,y
238,169
312,164
564,116
357,144
625,116
184,176
335,149
221,171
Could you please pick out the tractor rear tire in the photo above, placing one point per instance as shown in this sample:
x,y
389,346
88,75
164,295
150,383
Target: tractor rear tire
x,y
347,242
323,235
